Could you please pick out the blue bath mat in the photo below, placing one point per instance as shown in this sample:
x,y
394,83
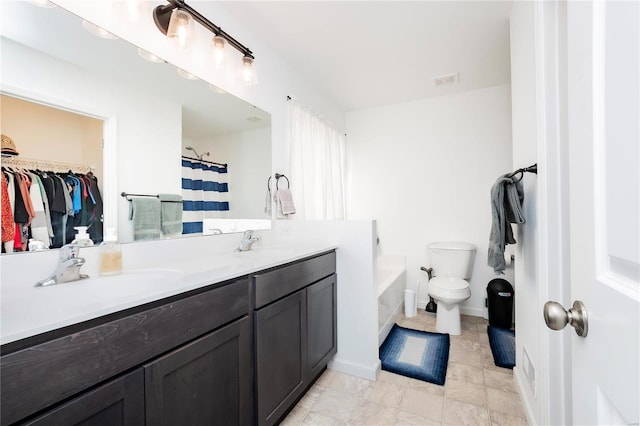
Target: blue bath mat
x,y
503,346
417,354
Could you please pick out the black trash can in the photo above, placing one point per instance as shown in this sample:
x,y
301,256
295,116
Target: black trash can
x,y
500,303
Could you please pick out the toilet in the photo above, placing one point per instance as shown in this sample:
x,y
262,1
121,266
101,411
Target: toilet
x,y
452,264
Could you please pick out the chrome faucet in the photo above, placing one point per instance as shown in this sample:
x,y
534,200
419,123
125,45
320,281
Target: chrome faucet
x,y
247,241
68,268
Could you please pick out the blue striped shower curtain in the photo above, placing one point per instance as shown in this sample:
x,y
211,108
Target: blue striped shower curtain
x,y
204,194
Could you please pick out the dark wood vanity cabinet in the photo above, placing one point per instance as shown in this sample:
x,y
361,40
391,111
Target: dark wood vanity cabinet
x,y
295,332
240,352
187,357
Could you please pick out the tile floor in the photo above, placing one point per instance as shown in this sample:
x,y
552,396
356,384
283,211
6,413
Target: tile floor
x,y
476,392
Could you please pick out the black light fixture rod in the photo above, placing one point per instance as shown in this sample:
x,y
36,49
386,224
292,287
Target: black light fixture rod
x,y
180,4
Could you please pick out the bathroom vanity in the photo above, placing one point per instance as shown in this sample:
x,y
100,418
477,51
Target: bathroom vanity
x,y
241,350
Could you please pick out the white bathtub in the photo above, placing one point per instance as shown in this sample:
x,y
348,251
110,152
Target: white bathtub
x,y
391,282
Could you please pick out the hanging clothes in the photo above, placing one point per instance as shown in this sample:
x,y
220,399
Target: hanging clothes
x,y
39,227
95,215
8,225
48,206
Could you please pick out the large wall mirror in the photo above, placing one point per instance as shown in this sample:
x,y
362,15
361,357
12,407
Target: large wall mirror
x,y
151,119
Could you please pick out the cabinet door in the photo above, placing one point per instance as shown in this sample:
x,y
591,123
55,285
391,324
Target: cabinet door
x,y
205,382
119,402
321,325
281,346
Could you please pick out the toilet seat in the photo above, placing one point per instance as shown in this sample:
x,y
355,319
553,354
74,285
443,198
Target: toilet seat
x,y
450,285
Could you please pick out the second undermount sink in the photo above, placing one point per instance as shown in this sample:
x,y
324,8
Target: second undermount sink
x,y
269,250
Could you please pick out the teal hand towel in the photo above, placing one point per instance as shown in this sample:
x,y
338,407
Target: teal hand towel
x,y
171,215
145,214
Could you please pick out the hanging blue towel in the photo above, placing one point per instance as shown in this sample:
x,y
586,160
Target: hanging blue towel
x,y
507,196
170,215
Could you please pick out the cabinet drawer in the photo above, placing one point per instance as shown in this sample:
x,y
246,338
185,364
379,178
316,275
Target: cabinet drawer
x,y
117,403
41,375
275,284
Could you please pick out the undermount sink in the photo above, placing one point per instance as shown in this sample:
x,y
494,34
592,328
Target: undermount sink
x,y
132,281
269,251
72,301
140,276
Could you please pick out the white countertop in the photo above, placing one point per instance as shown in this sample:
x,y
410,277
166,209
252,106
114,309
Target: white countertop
x,y
28,311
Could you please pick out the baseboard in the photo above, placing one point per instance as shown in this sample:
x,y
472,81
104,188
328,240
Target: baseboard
x,y
522,384
358,370
474,312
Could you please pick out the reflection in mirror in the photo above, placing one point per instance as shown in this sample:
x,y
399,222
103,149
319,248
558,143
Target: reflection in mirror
x,y
43,217
149,115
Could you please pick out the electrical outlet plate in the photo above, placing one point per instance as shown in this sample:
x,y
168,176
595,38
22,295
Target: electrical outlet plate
x,y
529,370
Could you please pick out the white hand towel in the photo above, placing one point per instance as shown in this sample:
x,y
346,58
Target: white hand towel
x,y
285,202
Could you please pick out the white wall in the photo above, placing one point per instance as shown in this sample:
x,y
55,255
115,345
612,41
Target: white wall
x,y
52,134
248,154
525,137
424,171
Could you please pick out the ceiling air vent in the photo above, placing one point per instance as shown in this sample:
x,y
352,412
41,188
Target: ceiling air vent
x,y
254,119
441,80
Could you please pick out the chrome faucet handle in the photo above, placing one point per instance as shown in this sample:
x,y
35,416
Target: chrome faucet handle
x,y
68,269
69,251
247,240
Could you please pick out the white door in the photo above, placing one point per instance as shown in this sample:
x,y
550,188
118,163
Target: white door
x,y
603,45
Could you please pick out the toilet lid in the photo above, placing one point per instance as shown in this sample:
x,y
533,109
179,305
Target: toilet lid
x,y
448,283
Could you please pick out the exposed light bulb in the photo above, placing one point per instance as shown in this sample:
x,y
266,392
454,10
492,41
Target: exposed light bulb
x,y
180,27
248,72
98,31
186,74
149,56
219,47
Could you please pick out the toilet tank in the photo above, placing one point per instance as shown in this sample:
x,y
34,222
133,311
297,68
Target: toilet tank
x,y
451,259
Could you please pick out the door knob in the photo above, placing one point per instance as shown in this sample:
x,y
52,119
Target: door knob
x,y
557,317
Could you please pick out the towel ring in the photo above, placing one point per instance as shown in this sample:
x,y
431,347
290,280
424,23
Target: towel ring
x,y
269,184
278,176
515,176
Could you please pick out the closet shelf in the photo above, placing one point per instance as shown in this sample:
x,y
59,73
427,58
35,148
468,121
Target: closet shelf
x,y
54,166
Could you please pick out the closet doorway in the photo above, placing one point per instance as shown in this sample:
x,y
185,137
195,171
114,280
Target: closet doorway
x,y
53,139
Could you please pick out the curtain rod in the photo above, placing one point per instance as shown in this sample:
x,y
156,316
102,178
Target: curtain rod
x,y
205,161
127,195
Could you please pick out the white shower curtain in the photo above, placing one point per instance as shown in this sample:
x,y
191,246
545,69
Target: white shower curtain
x,y
317,164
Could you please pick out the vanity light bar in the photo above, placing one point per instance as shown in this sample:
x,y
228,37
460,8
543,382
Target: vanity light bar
x,y
162,16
